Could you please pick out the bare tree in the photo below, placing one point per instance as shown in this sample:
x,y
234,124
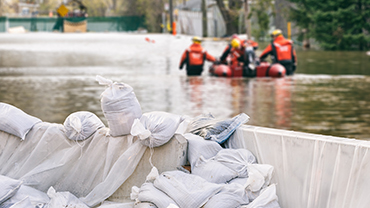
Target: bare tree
x,y
230,15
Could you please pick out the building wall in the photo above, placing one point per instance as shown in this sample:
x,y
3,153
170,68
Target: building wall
x,y
190,23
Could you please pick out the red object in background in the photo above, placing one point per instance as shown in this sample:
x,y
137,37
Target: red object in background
x,y
221,70
173,28
277,70
262,68
237,71
149,40
265,69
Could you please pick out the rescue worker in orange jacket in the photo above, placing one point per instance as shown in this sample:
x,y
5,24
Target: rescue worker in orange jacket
x,y
241,54
235,49
194,58
282,52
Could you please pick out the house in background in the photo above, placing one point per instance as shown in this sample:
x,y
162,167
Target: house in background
x,y
189,19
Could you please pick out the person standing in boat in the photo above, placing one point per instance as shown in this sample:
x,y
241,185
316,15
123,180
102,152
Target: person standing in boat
x,y
282,52
194,58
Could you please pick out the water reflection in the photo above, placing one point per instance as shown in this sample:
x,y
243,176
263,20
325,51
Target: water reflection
x,y
271,102
195,92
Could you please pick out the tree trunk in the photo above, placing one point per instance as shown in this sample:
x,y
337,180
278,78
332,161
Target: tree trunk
x,y
230,29
235,4
204,18
114,5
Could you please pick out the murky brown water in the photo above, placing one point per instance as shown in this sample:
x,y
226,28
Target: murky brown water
x,y
51,75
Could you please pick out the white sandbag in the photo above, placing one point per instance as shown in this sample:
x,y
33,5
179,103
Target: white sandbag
x,y
198,146
183,126
16,122
149,193
244,183
152,175
64,199
187,190
213,171
120,106
266,199
236,159
231,195
144,205
24,203
156,128
173,206
81,125
8,187
110,204
35,197
259,177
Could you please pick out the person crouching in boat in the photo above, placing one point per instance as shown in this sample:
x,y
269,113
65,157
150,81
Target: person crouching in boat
x,y
194,58
235,51
239,55
282,52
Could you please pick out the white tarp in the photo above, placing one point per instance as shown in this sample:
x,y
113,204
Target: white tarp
x,y
92,169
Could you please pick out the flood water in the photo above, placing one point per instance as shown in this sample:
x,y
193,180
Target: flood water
x,y
51,75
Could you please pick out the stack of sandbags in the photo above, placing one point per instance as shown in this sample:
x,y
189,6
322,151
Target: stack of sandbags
x,y
219,178
14,194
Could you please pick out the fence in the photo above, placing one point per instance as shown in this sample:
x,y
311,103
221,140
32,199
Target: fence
x,y
94,24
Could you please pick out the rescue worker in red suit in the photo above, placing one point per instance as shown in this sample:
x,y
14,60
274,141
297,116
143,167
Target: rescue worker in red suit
x,y
194,58
282,52
236,51
239,54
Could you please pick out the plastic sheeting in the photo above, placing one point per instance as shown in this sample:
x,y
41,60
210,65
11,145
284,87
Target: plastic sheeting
x,y
92,169
311,170
216,130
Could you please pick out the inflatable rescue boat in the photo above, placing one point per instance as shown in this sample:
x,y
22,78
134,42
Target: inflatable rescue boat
x,y
264,69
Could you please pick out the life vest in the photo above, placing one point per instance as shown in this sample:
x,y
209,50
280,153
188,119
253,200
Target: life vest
x,y
235,55
195,58
282,49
